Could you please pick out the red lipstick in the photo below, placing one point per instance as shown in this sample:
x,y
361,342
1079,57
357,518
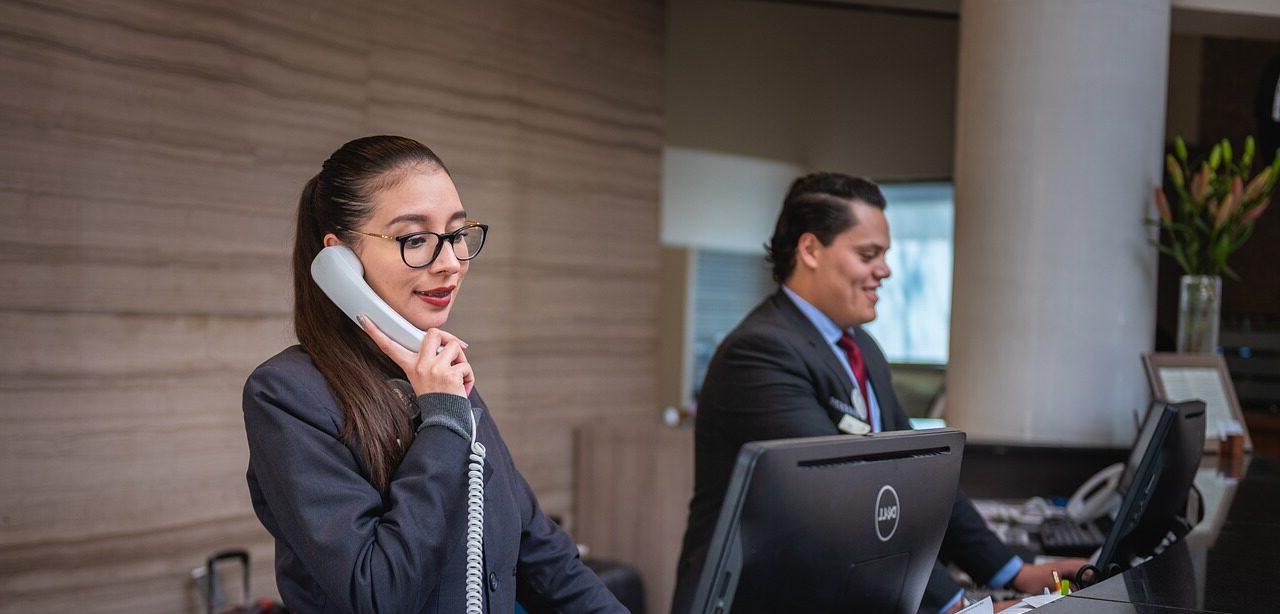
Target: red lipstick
x,y
437,297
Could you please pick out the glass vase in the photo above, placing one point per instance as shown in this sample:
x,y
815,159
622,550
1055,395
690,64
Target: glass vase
x,y
1199,302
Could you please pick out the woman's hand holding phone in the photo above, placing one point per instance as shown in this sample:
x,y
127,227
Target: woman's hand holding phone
x,y
438,366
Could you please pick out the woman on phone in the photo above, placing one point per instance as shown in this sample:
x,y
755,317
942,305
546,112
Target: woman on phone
x,y
362,452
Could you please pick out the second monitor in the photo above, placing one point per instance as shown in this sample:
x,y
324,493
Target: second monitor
x,y
1155,484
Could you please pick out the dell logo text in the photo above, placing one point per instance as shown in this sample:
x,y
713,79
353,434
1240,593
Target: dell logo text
x,y
886,513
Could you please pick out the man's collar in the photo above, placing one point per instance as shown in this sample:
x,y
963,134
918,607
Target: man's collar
x,y
825,325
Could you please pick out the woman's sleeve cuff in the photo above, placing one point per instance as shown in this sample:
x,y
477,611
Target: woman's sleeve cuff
x,y
448,410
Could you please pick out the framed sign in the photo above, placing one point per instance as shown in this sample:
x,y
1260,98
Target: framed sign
x,y
1184,377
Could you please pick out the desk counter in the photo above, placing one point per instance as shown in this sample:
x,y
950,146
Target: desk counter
x,y
1230,562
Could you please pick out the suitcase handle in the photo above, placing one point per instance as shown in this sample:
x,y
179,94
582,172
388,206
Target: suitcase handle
x,y
234,553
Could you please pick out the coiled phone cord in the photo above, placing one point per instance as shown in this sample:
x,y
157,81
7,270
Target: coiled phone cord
x,y
475,525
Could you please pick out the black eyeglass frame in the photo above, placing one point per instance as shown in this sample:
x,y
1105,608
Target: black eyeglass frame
x,y
450,236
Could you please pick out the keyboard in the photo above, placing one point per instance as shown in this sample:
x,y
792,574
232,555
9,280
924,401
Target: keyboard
x,y
1065,537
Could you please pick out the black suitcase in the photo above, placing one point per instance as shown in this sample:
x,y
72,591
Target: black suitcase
x,y
216,602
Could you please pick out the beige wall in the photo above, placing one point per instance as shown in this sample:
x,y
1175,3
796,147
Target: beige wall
x,y
759,93
152,155
721,201
822,88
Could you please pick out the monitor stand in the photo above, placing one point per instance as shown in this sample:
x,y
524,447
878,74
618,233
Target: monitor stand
x,y
864,585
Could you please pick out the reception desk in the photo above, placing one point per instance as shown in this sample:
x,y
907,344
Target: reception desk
x,y
1230,562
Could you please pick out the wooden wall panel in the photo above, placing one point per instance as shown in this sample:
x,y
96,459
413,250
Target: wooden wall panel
x,y
151,156
633,485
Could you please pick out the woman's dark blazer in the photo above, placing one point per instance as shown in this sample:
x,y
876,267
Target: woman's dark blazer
x,y
341,546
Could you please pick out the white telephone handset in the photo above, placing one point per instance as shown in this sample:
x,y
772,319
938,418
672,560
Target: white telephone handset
x,y
1097,496
338,272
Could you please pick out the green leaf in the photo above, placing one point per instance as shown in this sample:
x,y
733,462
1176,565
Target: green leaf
x,y
1184,197
1175,171
1275,174
1238,242
1176,255
1221,249
1180,148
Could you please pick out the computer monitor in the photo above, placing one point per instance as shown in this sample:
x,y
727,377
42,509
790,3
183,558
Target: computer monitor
x,y
825,524
1154,486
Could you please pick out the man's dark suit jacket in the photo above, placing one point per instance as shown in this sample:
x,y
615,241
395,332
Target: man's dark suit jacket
x,y
772,378
341,546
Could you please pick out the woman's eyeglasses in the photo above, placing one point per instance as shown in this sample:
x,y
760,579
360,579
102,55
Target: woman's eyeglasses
x,y
420,249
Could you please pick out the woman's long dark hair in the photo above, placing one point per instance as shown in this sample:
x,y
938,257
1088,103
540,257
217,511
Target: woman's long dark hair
x,y
339,197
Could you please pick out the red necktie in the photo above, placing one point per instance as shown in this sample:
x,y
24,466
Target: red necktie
x,y
858,366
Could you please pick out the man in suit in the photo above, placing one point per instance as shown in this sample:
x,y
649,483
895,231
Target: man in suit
x,y
799,365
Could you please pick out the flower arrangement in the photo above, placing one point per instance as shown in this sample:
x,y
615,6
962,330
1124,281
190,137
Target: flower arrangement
x,y
1216,209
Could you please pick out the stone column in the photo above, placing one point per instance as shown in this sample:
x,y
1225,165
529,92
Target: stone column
x,y
1060,132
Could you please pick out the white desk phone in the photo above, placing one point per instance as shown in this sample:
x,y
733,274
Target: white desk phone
x,y
1098,496
338,272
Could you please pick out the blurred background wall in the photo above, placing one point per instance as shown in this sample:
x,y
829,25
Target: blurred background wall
x,y
151,159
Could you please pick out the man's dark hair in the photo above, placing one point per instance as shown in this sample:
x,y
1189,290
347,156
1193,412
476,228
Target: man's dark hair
x,y
818,203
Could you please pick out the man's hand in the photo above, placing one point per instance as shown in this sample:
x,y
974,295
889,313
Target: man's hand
x,y
1033,579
